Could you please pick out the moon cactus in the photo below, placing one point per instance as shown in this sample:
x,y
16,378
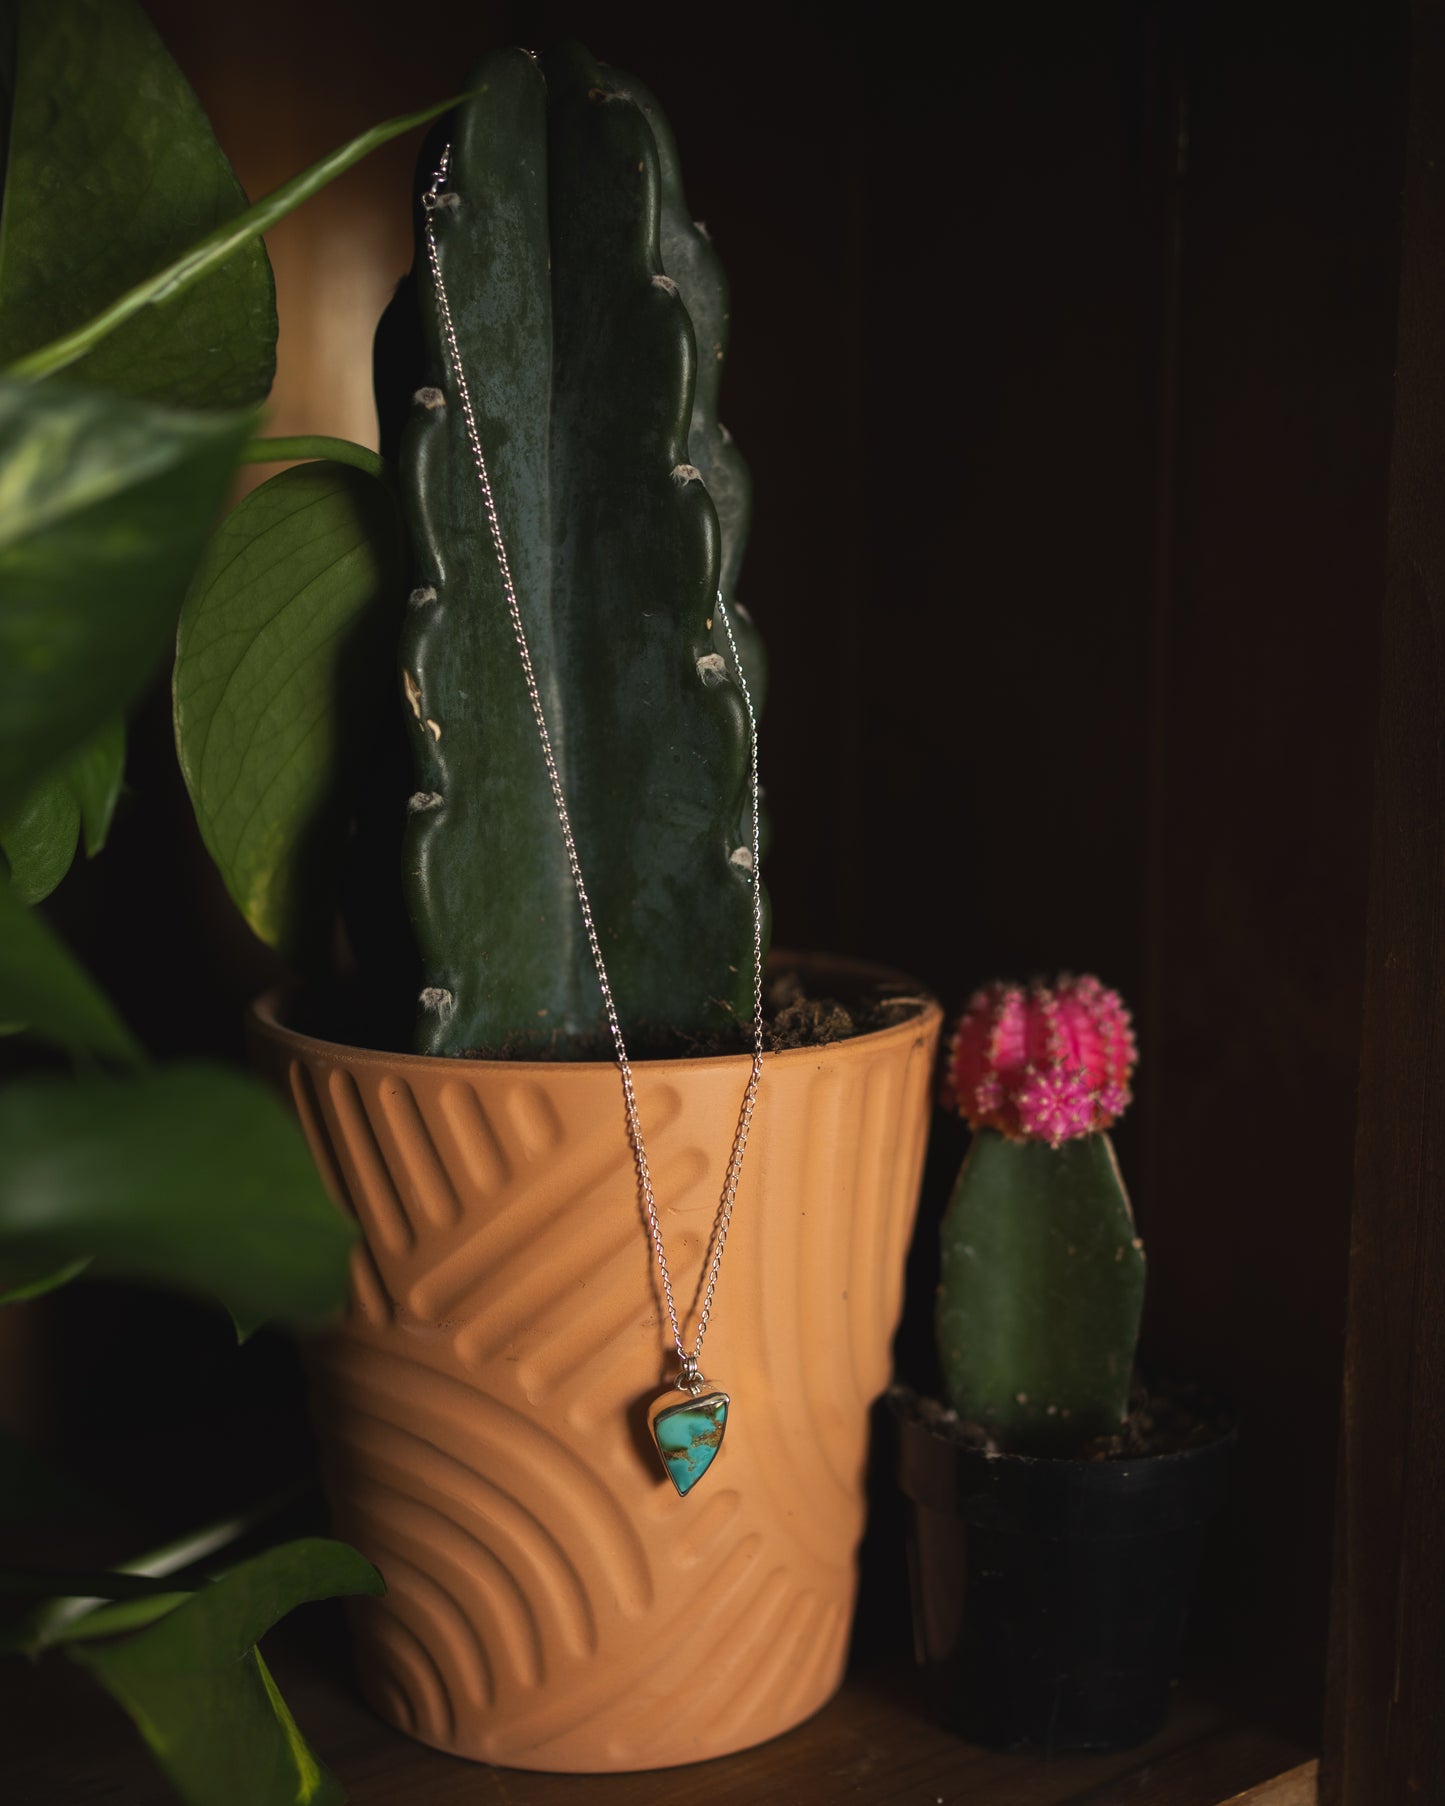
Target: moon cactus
x,y
1043,1274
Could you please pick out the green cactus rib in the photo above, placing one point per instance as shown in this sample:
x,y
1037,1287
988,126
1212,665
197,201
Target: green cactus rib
x,y
1040,1294
581,362
690,259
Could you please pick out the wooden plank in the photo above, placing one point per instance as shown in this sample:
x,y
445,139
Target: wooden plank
x,y
1386,1741
873,1745
1265,651
1223,1766
1299,1787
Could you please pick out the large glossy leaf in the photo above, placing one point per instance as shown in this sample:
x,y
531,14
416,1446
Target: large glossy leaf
x,y
203,1699
114,171
104,507
46,990
285,670
193,1176
212,252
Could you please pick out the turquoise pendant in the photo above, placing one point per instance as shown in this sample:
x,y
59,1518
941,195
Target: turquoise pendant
x,y
688,1435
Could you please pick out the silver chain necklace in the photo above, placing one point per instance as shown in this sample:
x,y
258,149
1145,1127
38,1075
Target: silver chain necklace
x,y
687,1435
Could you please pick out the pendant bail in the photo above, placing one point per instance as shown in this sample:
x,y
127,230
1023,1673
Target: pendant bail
x,y
690,1380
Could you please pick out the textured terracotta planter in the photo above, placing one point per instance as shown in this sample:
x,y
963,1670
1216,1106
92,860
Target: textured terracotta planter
x,y
552,1603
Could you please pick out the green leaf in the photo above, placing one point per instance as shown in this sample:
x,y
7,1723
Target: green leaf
x,y
68,1620
122,1615
71,1602
22,1280
284,667
114,172
305,446
44,987
193,1176
40,837
95,774
202,1698
104,508
78,1583
216,248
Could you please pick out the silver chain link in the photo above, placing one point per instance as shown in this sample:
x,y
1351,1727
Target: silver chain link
x,y
689,1378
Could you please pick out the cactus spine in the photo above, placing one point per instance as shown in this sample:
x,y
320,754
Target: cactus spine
x,y
582,362
1042,1280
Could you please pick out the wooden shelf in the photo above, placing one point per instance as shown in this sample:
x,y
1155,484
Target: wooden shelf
x,y
871,1746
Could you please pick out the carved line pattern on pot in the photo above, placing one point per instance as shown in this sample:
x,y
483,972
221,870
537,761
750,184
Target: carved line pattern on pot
x,y
429,1193
525,1263
547,1476
758,1655
758,1629
875,1285
359,1158
907,1182
674,1662
533,1197
787,1672
318,1135
497,1591
805,1354
445,1624
483,1509
544,1290
368,1295
480,1156
426,1705
810,1645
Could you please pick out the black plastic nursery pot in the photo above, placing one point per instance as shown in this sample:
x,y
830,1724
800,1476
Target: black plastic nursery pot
x,y
1050,1596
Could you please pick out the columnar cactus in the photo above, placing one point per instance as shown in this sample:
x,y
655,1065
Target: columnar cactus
x,y
1043,1275
586,304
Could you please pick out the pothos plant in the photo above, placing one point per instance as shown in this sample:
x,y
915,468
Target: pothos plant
x,y
137,333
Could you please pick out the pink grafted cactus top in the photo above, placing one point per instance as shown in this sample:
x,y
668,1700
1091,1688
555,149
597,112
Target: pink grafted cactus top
x,y
1042,1063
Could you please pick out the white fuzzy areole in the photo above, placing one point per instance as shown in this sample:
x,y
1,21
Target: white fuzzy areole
x,y
430,398
685,473
421,596
439,1000
422,800
742,857
712,668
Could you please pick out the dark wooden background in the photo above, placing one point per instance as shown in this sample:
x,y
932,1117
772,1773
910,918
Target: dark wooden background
x,y
1064,349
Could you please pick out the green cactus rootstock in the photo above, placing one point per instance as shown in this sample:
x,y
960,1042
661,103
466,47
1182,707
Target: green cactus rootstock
x,y
582,361
1040,1294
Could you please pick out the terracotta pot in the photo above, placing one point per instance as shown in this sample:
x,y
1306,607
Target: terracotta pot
x,y
552,1602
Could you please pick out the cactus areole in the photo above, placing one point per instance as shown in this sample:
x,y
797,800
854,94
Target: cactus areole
x,y
1042,1281
590,318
